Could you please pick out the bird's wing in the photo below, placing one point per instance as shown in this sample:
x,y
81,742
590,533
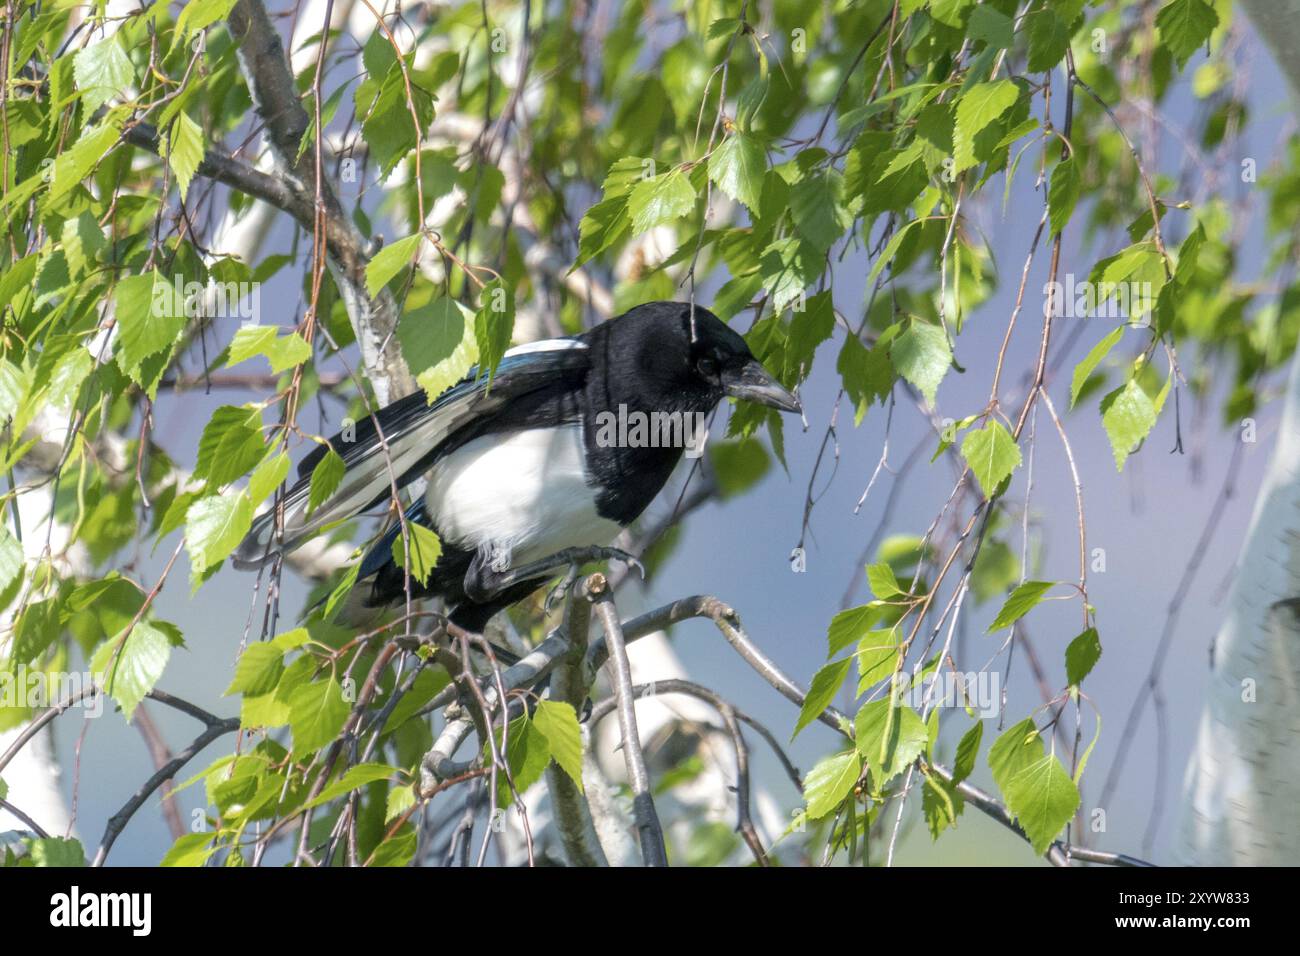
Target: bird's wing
x,y
411,430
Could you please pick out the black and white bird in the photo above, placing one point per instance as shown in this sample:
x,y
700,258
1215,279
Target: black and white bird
x,y
526,474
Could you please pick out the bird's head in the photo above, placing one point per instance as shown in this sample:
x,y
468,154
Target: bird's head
x,y
704,358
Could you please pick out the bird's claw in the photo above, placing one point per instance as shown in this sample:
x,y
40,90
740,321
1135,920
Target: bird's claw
x,y
617,554
557,592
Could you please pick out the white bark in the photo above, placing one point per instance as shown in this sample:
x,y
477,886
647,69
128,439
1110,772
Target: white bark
x,y
1241,793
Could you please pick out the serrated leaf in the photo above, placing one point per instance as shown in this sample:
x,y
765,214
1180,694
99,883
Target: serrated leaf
x,y
1019,603
317,712
191,850
185,150
665,198
130,673
1081,656
425,551
439,343
1049,39
922,356
325,479
214,526
354,779
850,626
830,781
102,71
258,670
281,352
979,106
1043,798
889,737
558,722
968,749
149,320
883,582
527,752
494,324
1095,355
1063,193
11,558
1185,26
1128,414
992,455
230,445
826,684
738,166
389,261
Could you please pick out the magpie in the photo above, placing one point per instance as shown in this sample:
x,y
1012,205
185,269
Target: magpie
x,y
545,462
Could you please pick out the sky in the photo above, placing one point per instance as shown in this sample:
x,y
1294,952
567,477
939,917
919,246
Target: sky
x,y
1148,520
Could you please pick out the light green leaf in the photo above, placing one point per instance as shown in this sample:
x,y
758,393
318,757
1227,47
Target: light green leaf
x,y
185,150
130,674
102,71
737,166
922,356
979,106
389,261
1043,798
1063,193
354,779
883,582
425,551
1185,26
149,320
230,445
1128,414
325,479
992,455
439,343
558,722
1095,355
258,670
494,324
825,685
1019,603
830,781
214,526
665,198
1081,656
191,849
889,737
849,627
317,712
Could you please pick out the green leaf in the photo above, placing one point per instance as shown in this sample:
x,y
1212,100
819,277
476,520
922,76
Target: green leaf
x,y
1184,26
191,849
737,166
425,551
825,685
389,261
201,14
325,479
602,226
1095,355
1081,656
230,445
1019,603
817,206
788,266
102,71
889,737
992,455
968,749
214,526
978,107
558,722
830,781
354,779
1063,193
185,150
130,674
494,324
922,356
1043,798
1049,39
267,476
1128,414
317,712
849,626
11,559
665,198
57,852
439,343
149,320
883,582
282,352
528,751
258,670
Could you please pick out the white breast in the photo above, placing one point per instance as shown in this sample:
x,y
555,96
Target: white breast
x,y
523,496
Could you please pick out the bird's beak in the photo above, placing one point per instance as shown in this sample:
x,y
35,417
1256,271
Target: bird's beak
x,y
754,383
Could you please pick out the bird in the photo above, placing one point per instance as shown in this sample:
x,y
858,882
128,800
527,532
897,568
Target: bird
x,y
529,470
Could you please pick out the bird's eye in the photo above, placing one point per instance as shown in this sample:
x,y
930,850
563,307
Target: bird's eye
x,y
707,366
